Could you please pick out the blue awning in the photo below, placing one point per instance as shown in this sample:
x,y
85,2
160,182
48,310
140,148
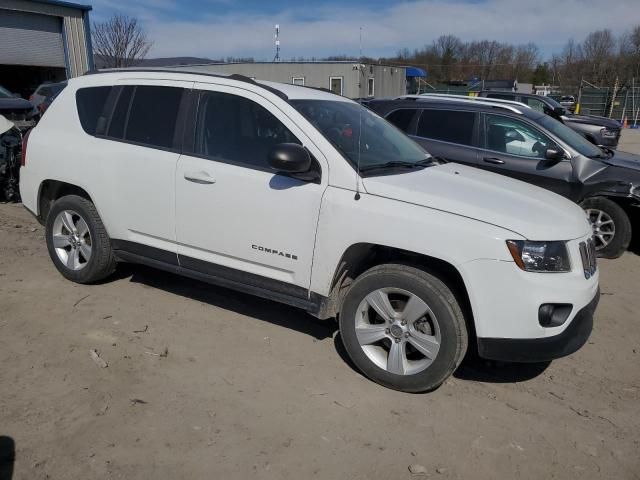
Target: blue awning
x,y
415,72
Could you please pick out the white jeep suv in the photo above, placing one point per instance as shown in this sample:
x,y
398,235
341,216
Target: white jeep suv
x,y
307,198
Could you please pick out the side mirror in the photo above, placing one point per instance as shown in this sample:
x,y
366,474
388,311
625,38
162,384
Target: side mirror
x,y
554,154
559,111
289,158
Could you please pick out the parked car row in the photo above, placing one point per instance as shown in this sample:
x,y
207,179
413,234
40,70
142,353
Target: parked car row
x,y
527,144
310,199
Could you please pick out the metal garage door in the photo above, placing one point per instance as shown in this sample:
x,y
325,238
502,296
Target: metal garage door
x,y
30,39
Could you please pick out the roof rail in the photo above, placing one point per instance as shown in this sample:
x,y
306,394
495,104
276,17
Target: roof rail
x,y
482,99
461,99
231,76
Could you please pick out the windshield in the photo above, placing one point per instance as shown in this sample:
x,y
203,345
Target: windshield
x,y
381,144
571,138
4,93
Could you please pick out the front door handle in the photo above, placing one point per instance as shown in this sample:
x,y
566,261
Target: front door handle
x,y
199,177
494,160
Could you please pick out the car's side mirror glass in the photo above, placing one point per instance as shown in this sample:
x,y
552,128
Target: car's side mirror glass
x,y
554,154
295,161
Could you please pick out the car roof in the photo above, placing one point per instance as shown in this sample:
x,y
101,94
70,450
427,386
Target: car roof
x,y
454,104
282,90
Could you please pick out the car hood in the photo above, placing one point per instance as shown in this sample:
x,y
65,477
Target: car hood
x,y
529,211
592,120
14,104
624,159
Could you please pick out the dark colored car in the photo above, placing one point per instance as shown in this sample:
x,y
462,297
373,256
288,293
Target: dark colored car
x,y
16,109
598,130
533,147
44,95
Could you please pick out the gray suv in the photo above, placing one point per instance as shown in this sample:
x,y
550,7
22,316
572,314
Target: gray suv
x,y
521,142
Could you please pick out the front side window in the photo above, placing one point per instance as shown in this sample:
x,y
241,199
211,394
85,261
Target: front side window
x,y
571,137
402,118
90,103
152,115
237,130
447,125
360,135
513,137
534,103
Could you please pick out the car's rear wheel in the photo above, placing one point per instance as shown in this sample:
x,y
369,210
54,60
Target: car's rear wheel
x,y
611,226
77,241
403,328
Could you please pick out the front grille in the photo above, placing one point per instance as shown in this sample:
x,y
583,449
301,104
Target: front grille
x,y
588,255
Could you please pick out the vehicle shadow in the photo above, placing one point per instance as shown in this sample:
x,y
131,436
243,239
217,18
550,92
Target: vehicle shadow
x,y
7,457
478,369
474,368
244,304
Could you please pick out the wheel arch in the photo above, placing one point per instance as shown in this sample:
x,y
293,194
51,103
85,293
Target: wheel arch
x,y
51,190
360,257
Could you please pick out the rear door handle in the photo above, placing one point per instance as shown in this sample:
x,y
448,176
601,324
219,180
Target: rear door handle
x,y
199,177
494,160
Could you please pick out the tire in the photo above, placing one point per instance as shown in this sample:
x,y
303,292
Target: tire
x,y
65,217
443,322
611,216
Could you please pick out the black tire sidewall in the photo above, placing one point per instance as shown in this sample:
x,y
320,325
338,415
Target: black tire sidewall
x,y
91,271
452,345
621,222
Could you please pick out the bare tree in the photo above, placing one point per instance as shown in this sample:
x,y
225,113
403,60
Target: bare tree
x,y
120,41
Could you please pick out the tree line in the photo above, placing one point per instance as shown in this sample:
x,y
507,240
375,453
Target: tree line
x,y
601,59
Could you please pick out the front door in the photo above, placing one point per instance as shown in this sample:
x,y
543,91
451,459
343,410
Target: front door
x,y
235,217
516,148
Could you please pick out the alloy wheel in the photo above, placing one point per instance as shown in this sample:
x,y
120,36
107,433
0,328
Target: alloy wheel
x,y
604,228
72,240
397,331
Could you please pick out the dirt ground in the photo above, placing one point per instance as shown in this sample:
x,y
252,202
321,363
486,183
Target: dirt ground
x,y
203,383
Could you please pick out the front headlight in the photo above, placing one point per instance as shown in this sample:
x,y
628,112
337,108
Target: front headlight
x,y
540,256
609,133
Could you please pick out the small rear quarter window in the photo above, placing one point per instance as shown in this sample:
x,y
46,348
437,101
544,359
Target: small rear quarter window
x,y
90,102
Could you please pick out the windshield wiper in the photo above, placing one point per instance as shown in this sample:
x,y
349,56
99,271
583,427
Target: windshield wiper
x,y
399,164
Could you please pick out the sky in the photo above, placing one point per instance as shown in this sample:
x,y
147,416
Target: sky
x,y
221,28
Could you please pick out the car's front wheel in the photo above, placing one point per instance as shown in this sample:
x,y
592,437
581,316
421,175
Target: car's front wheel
x,y
403,328
77,240
611,226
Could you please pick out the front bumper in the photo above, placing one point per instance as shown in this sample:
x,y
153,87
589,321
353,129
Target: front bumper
x,y
542,349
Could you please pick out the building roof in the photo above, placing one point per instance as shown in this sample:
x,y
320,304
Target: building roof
x,y
60,3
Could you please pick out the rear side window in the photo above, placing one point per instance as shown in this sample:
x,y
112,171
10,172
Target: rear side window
x,y
90,102
152,115
402,118
237,130
447,125
120,113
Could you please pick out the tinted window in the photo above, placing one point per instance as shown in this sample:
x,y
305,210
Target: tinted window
x,y
153,114
402,118
237,130
507,135
90,102
501,96
120,113
447,125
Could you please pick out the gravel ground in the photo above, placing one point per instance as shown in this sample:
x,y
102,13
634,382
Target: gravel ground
x,y
203,383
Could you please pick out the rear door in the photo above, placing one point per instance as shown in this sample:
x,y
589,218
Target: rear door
x,y
138,151
516,148
449,134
